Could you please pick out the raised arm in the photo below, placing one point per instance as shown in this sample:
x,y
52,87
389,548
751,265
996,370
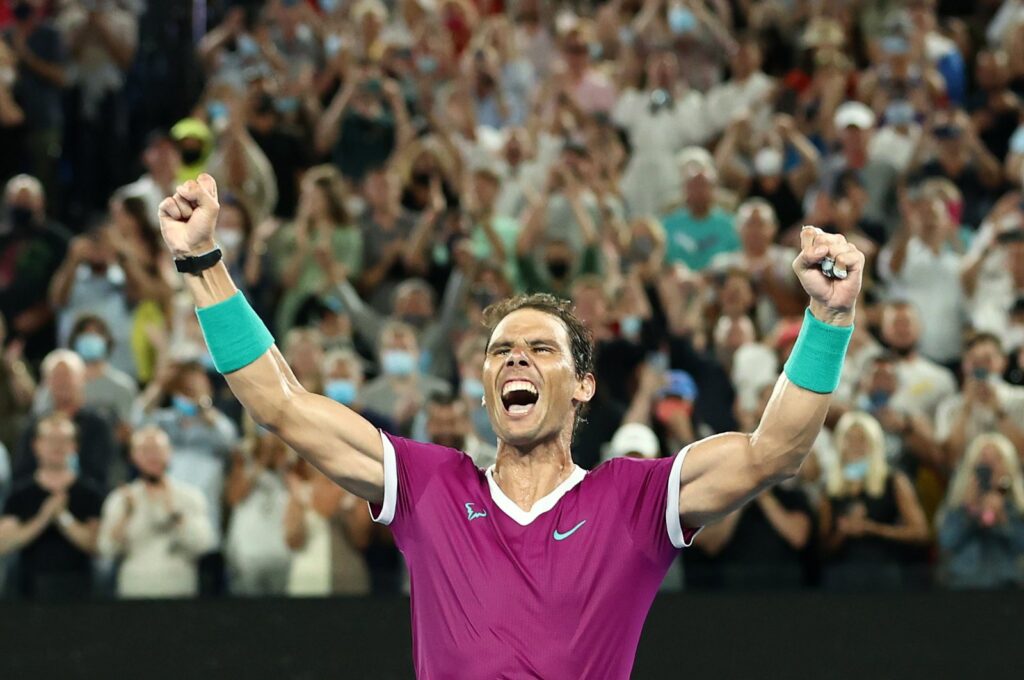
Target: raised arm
x,y
333,438
721,473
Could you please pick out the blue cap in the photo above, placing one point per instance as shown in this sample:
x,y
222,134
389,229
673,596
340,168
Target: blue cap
x,y
680,384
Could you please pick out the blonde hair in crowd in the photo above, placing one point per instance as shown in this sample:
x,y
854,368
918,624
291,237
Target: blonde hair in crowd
x,y
962,478
878,467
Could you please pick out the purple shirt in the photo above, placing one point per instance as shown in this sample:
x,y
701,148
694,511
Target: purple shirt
x,y
560,592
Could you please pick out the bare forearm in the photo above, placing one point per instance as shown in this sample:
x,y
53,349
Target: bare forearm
x,y
295,525
81,534
62,283
793,526
14,535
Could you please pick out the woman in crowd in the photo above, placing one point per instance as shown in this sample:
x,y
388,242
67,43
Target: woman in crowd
x,y
870,516
981,525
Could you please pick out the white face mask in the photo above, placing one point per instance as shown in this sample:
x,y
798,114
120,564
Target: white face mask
x,y
230,239
768,163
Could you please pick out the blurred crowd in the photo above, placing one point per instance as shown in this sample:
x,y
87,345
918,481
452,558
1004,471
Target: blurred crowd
x,y
389,169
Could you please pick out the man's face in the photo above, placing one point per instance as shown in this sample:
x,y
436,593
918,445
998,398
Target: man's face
x,y
379,188
985,356
305,356
591,305
195,385
414,306
25,195
900,327
151,453
757,230
699,188
883,378
486,187
448,424
54,443
737,295
854,138
344,370
529,377
67,387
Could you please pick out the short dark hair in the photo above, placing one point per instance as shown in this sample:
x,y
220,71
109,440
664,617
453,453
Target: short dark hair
x,y
981,338
86,320
443,399
581,341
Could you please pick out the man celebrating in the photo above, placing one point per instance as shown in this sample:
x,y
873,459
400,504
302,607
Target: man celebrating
x,y
533,566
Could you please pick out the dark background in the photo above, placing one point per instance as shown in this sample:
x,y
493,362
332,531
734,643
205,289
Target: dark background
x,y
778,635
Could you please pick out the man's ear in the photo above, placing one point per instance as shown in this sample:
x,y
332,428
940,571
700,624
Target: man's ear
x,y
585,389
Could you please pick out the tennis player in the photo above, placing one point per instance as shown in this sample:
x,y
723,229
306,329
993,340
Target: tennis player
x,y
533,568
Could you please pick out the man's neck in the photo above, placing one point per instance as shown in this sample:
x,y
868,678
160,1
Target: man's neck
x,y
54,479
526,476
95,369
699,211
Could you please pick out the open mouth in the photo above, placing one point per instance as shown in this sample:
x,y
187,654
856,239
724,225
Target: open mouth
x,y
518,397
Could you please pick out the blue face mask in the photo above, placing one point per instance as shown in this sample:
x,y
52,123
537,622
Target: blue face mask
x,y
328,6
631,325
426,64
185,406
341,391
857,471
73,464
472,388
217,111
286,105
900,112
91,347
398,362
681,21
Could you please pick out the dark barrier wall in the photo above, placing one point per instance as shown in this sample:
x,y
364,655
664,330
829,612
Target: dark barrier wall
x,y
800,635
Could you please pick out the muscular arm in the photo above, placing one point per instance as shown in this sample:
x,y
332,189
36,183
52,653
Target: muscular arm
x,y
336,440
723,472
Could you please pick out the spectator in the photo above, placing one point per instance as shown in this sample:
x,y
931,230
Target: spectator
x,y
161,158
95,278
31,250
343,380
921,265
12,117
108,391
402,388
327,528
157,527
871,514
769,265
993,270
995,108
304,352
64,379
101,39
321,235
258,560
923,383
588,88
985,404
661,117
981,526
41,75
17,387
748,92
284,148
201,436
448,424
894,143
52,518
699,230
471,353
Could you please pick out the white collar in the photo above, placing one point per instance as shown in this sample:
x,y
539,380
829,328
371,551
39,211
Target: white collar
x,y
525,517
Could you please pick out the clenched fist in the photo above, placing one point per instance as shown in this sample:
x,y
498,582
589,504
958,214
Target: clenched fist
x,y
187,218
833,294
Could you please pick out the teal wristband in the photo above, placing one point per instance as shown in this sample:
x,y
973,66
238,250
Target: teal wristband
x,y
816,361
235,335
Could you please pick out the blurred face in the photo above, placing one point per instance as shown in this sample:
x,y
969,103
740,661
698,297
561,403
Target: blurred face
x,y
486,189
900,328
855,444
991,457
529,378
883,378
305,356
230,226
985,356
448,424
577,53
591,305
757,230
662,71
194,384
737,296
990,71
854,138
380,189
700,189
414,306
54,443
746,61
317,198
345,370
151,453
25,193
515,147
161,156
67,386
400,340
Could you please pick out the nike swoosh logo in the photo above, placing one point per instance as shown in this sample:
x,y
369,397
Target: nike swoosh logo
x,y
561,537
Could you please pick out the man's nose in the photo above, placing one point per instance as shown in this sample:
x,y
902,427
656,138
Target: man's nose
x,y
517,357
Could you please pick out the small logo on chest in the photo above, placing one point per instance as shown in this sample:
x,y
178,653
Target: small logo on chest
x,y
473,514
559,536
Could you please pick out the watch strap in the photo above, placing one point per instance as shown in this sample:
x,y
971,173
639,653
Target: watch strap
x,y
199,263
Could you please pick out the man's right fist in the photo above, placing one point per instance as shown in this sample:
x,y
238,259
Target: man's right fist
x,y
187,218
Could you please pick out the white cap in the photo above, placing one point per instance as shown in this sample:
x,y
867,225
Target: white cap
x,y
633,438
768,162
854,114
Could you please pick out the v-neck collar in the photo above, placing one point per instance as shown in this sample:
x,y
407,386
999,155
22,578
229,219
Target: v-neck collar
x,y
524,517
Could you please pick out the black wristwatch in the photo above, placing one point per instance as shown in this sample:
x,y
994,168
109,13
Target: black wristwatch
x,y
199,263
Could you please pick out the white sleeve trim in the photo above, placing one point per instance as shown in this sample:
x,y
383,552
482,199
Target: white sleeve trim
x,y
387,509
673,521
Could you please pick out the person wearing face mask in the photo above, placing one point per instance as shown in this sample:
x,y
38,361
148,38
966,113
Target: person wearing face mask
x,y
402,387
895,141
158,527
25,228
985,403
51,519
97,277
194,140
108,390
201,436
870,516
343,380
